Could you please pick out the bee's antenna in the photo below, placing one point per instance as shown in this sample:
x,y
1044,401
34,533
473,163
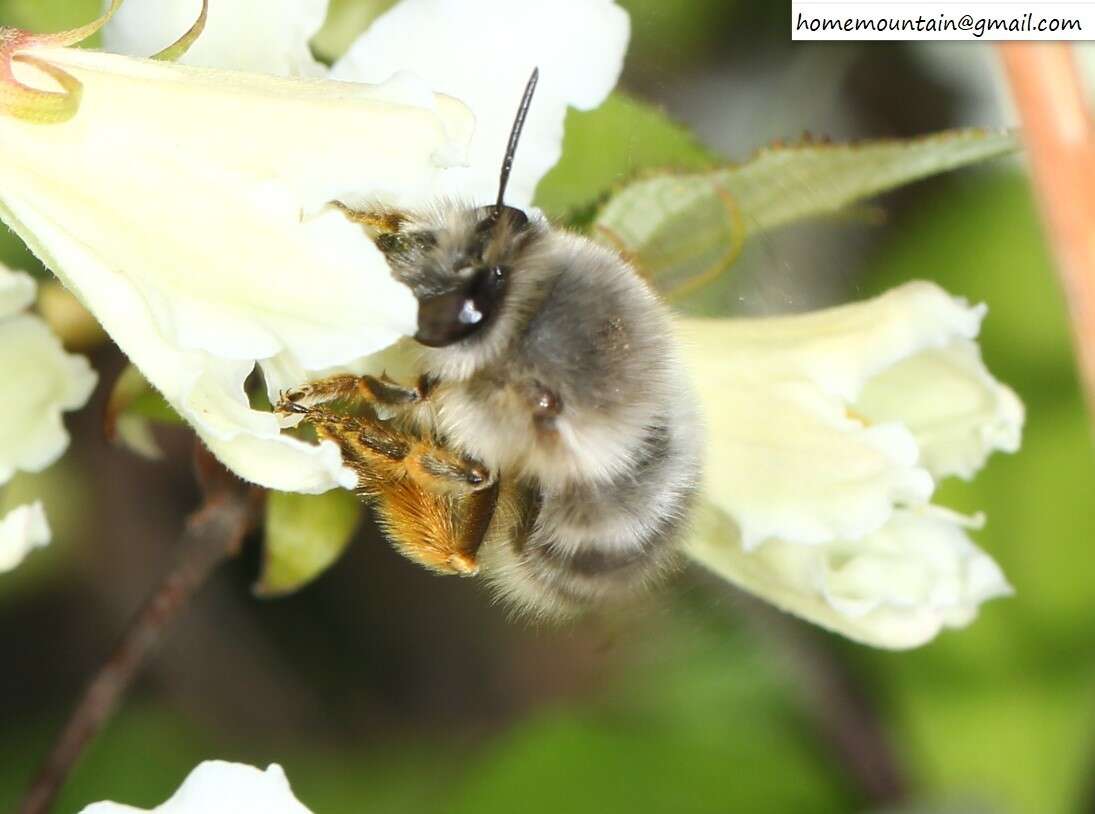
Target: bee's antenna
x,y
515,136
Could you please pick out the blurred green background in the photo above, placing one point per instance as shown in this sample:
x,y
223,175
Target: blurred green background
x,y
381,688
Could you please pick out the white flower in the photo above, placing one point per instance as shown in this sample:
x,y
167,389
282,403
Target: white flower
x,y
217,787
41,382
827,434
22,530
187,207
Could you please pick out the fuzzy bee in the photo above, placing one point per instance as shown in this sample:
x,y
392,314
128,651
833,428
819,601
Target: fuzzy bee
x,y
549,443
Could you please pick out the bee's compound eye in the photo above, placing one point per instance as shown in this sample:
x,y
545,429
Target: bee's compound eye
x,y
455,315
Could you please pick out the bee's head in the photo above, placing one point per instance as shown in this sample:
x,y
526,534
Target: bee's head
x,y
460,268
478,273
470,274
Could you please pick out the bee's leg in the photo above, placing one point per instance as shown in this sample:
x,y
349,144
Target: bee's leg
x,y
355,389
378,452
435,505
386,228
378,219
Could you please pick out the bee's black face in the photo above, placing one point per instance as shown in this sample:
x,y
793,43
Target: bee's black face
x,y
472,294
447,318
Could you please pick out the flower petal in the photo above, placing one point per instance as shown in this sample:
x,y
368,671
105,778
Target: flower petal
x,y
264,36
790,455
217,787
896,588
186,208
957,411
16,291
233,172
42,382
482,52
22,530
207,391
840,349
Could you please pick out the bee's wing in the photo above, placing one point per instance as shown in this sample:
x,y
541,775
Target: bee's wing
x,y
682,230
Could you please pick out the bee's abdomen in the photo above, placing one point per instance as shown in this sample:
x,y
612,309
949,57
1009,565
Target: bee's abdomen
x,y
589,543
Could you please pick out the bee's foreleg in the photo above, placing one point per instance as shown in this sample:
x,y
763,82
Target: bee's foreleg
x,y
355,390
435,505
378,219
379,452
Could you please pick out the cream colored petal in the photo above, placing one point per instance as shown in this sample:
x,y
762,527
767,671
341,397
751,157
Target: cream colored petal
x,y
217,787
186,208
896,588
790,455
784,458
41,381
957,411
21,531
264,36
207,391
482,52
224,181
840,349
16,291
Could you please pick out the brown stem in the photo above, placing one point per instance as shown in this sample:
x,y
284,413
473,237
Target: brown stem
x,y
213,534
1060,139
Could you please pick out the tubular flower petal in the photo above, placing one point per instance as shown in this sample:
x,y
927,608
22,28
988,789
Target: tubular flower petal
x,y
827,433
813,434
957,412
22,530
482,52
896,588
217,787
187,208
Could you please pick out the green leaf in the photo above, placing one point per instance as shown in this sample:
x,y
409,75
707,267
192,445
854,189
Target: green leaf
x,y
606,147
305,534
683,230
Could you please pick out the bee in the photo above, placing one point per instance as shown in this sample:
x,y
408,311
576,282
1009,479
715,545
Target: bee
x,y
550,441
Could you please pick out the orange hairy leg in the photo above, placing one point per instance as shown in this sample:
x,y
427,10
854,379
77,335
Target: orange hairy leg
x,y
434,505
